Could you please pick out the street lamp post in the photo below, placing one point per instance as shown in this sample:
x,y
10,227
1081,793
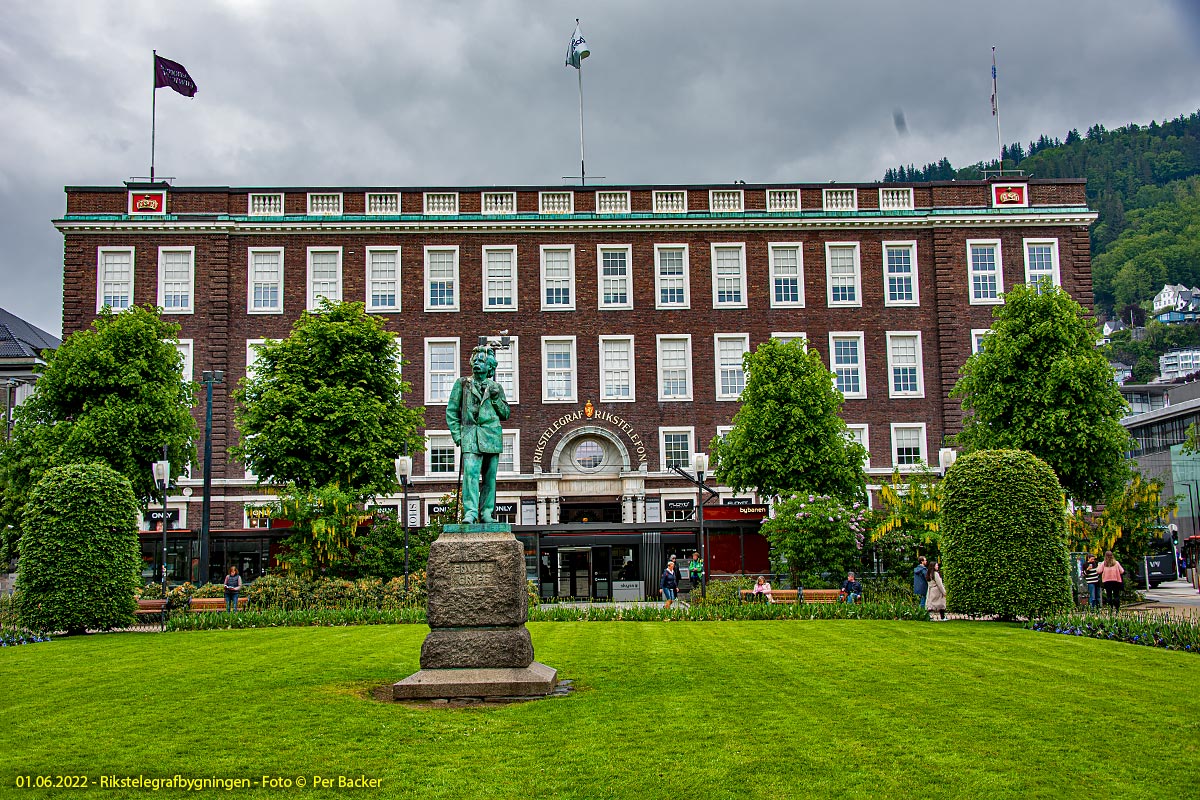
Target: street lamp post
x,y
162,479
208,378
403,471
700,466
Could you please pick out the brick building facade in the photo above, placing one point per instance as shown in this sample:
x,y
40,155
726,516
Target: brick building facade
x,y
628,309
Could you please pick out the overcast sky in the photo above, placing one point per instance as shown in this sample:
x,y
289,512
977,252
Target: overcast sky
x,y
300,92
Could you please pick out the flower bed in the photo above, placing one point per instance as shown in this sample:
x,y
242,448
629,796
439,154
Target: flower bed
x,y
1169,632
11,636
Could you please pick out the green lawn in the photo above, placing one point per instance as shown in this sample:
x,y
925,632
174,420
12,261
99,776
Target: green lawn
x,y
663,710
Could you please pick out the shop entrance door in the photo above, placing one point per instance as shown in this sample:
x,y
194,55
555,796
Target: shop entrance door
x,y
575,572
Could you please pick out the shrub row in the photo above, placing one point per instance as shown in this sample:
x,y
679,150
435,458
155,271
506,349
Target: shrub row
x,y
1169,632
322,617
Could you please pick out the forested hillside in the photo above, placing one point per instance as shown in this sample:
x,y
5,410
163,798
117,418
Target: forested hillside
x,y
1142,179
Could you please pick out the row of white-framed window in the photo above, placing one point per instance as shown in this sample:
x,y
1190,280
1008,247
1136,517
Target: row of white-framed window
x,y
608,201
614,275
676,444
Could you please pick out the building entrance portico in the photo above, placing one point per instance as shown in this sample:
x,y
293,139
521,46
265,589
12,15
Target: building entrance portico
x,y
591,480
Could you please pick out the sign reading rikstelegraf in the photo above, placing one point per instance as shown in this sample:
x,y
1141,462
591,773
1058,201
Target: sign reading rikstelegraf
x,y
591,414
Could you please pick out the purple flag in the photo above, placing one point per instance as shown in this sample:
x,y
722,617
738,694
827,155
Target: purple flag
x,y
170,73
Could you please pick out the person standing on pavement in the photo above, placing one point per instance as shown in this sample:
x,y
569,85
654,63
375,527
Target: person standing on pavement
x,y
921,580
935,597
1112,578
695,570
233,585
668,584
1091,574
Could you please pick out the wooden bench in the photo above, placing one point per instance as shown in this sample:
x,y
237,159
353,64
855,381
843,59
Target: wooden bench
x,y
149,608
213,604
791,595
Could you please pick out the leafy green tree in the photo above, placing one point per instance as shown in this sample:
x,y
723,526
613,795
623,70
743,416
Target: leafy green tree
x,y
1041,385
910,517
325,406
112,394
79,554
381,551
1130,522
787,436
815,534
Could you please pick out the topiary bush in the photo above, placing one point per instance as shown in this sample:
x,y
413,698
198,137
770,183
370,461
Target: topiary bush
x,y
80,558
1004,546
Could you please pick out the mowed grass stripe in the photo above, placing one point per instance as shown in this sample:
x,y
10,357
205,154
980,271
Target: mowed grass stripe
x,y
772,709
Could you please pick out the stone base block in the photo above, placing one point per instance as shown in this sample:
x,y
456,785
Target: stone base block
x,y
535,680
478,527
449,648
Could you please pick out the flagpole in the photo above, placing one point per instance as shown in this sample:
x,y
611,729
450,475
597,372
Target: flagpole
x,y
153,113
996,112
582,169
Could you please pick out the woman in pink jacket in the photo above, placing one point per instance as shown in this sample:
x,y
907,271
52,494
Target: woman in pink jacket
x,y
1112,579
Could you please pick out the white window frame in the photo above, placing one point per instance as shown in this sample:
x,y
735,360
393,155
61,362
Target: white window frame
x,y
625,206
865,439
452,248
857,250
512,250
190,308
744,339
690,430
686,338
312,298
101,252
425,203
399,283
740,204
266,207
429,453
977,335
924,445
607,398
986,301
515,435
309,204
687,283
861,394
740,247
573,396
772,247
628,251
911,246
789,336
250,253
252,355
514,397
570,248
429,398
556,193
367,203
660,200
188,348
841,191
920,365
1055,274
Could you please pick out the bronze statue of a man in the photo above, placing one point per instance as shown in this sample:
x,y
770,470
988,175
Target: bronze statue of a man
x,y
477,407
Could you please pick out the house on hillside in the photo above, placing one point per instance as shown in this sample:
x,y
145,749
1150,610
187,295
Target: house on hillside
x,y
1176,304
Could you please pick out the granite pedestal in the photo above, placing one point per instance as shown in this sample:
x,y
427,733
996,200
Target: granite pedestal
x,y
477,607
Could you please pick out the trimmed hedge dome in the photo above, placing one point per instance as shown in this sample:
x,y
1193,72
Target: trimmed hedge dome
x,y
79,551
1004,546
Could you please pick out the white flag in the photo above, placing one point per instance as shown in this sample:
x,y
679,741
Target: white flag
x,y
577,50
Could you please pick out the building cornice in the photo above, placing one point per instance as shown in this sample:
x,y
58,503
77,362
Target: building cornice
x,y
538,223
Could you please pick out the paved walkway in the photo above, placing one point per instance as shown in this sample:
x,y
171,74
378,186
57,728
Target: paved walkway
x,y
1177,598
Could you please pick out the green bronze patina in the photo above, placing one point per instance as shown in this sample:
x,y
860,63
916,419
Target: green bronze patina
x,y
477,407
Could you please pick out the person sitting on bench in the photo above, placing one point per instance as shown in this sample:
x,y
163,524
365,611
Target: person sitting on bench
x,y
851,589
762,590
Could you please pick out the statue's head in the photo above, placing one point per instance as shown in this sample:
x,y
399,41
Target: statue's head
x,y
483,362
